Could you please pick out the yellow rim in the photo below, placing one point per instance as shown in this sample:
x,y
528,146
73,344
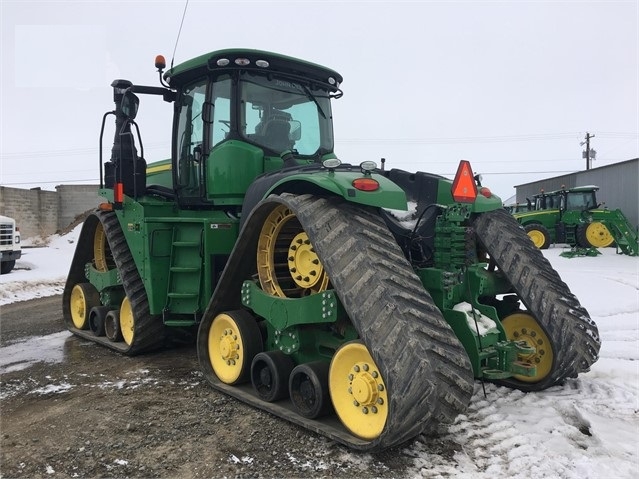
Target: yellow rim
x,y
524,327
287,264
598,235
537,238
127,322
358,391
226,348
79,307
99,249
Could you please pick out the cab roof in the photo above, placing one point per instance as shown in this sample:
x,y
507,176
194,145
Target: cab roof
x,y
248,59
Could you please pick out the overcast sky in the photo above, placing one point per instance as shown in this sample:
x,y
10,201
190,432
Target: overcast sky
x,y
513,86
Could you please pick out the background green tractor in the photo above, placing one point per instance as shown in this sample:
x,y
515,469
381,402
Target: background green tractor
x,y
355,302
573,216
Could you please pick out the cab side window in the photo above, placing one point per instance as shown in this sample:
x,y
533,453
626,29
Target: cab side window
x,y
190,138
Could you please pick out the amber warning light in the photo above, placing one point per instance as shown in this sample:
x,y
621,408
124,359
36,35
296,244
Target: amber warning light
x,y
464,189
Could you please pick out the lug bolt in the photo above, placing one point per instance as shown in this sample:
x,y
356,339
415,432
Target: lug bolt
x,y
380,387
355,403
380,401
356,368
315,261
365,410
374,409
365,367
350,377
374,374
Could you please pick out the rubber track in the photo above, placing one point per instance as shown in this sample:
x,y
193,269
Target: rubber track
x,y
149,329
426,369
574,336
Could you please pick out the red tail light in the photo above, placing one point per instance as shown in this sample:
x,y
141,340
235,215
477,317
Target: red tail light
x,y
485,192
464,189
365,184
118,193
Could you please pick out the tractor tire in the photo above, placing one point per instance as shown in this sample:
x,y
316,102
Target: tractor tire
x,y
571,335
594,235
427,375
539,235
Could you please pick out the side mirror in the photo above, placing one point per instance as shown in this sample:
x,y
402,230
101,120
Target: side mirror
x,y
296,130
129,105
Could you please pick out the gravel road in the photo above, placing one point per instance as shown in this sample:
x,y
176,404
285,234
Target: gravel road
x,y
70,408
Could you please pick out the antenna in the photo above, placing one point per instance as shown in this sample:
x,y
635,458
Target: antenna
x,y
179,31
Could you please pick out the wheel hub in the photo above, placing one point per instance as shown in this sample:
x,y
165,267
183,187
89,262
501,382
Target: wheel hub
x,y
524,327
229,347
367,389
303,263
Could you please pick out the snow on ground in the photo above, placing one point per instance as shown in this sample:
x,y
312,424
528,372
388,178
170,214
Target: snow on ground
x,y
587,428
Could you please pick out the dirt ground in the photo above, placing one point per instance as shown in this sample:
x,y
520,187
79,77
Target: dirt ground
x,y
90,412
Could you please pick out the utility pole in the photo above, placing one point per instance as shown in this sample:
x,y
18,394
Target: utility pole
x,y
588,154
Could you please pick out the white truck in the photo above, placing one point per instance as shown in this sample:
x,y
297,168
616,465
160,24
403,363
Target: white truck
x,y
10,249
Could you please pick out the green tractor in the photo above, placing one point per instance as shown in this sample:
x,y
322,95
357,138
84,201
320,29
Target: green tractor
x,y
573,216
357,302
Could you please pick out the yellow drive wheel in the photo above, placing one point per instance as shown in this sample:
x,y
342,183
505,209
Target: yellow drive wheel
x,y
598,235
358,391
234,340
102,256
83,297
127,321
522,326
287,263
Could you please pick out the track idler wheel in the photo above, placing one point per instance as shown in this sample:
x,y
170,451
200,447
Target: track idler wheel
x,y
358,391
127,321
308,388
233,341
112,326
97,317
84,296
521,326
270,372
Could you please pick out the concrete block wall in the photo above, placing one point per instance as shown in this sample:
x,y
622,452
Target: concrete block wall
x,y
75,199
43,213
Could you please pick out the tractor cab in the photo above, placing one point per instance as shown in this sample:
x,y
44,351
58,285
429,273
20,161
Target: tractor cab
x,y
237,114
582,198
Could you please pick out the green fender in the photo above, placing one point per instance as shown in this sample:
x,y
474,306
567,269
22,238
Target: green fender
x,y
340,183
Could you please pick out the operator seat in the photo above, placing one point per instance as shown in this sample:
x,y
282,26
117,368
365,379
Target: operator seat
x,y
276,135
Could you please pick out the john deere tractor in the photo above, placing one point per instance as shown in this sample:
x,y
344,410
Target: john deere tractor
x,y
357,302
573,216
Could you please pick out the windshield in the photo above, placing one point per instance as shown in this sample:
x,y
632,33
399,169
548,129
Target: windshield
x,y
280,114
581,200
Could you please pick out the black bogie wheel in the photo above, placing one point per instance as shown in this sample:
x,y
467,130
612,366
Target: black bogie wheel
x,y
572,335
309,391
112,326
539,235
97,317
270,371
